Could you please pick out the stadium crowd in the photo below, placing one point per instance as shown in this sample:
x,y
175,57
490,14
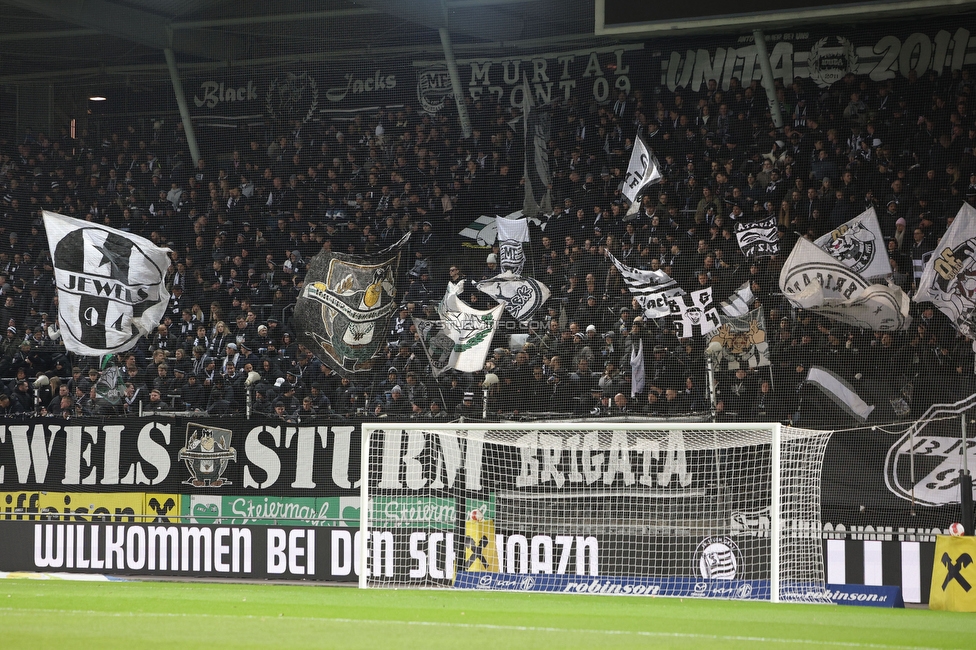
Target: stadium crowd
x,y
244,221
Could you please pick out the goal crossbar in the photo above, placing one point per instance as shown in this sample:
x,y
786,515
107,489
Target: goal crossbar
x,y
748,494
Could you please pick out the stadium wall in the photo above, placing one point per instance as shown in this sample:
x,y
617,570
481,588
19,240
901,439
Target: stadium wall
x,y
293,489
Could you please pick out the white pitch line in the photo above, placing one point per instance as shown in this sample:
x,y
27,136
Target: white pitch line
x,y
474,626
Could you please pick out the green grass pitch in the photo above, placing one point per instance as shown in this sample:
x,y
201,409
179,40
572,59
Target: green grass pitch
x,y
137,615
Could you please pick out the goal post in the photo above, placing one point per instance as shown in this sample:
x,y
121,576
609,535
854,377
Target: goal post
x,y
633,508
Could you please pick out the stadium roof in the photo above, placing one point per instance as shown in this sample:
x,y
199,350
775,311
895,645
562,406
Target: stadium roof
x,y
73,42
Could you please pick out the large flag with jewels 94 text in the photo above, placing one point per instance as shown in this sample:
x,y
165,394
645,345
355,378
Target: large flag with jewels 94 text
x,y
111,284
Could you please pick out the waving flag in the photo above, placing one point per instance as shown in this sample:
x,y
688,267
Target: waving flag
x,y
521,296
538,178
643,170
461,338
637,376
758,238
345,305
840,392
511,234
695,311
738,303
812,279
859,245
111,284
743,340
653,290
949,277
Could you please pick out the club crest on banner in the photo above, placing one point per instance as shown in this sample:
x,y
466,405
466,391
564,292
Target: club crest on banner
x,y
931,478
854,245
858,245
207,453
345,305
292,97
461,338
954,283
433,87
828,64
521,296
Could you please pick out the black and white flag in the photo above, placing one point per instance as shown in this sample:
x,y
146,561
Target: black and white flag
x,y
653,290
758,238
521,296
538,177
511,234
812,279
643,170
859,245
949,277
346,304
695,311
741,342
738,303
840,392
111,284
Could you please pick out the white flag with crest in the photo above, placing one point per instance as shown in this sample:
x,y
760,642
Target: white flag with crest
x,y
521,296
949,278
859,245
812,279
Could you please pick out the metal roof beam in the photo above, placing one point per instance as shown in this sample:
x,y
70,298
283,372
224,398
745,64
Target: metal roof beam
x,y
137,26
274,18
478,22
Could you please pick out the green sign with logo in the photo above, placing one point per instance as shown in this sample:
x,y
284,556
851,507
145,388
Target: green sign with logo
x,y
413,512
270,511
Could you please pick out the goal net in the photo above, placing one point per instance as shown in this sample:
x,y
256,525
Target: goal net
x,y
666,509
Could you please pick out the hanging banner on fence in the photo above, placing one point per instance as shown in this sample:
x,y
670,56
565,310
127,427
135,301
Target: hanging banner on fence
x,y
285,95
144,454
258,552
824,56
589,74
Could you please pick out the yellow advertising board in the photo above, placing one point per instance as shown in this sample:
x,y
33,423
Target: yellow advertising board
x,y
954,574
136,507
479,546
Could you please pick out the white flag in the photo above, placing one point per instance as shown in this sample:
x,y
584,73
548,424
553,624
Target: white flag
x,y
738,303
695,311
949,277
511,234
642,171
111,284
758,238
521,296
637,369
654,290
859,245
812,279
840,392
461,338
